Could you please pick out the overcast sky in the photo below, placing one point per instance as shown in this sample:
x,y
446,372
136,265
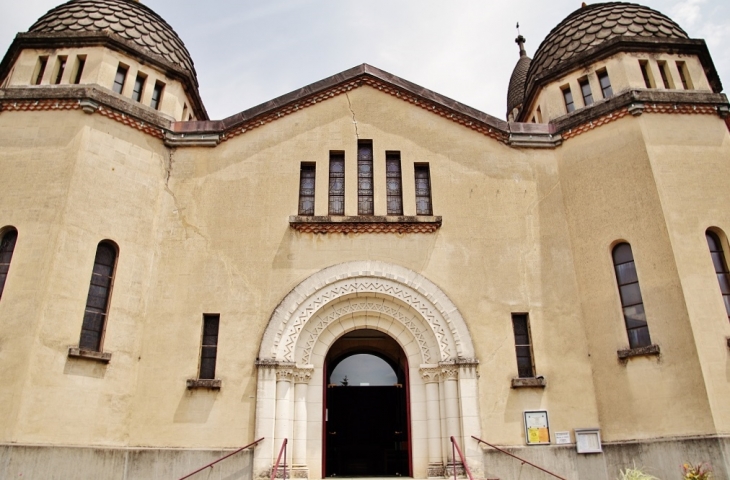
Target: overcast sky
x,y
249,51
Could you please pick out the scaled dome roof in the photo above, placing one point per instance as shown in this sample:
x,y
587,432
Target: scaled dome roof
x,y
127,19
590,26
516,91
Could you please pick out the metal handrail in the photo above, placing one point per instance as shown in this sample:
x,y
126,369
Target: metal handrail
x,y
221,459
455,447
278,460
518,458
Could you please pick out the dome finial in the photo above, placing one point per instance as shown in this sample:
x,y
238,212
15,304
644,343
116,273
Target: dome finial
x,y
520,40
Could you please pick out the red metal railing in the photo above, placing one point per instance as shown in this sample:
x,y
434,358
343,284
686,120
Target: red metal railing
x,y
278,460
210,465
455,448
524,462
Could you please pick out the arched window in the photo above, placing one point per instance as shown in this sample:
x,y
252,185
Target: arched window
x,y
7,246
631,301
97,302
721,270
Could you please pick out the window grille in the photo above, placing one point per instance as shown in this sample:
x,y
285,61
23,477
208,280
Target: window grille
x,y
365,204
523,346
721,270
209,346
306,189
423,190
394,183
97,301
337,184
7,247
631,300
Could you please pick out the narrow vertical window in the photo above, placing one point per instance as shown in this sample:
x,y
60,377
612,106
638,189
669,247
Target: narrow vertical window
x,y
337,184
538,113
157,95
605,83
423,189
61,66
646,73
209,346
306,189
394,183
97,301
80,64
185,112
40,70
684,76
365,204
585,90
666,76
138,87
631,301
721,270
568,97
7,247
523,345
119,79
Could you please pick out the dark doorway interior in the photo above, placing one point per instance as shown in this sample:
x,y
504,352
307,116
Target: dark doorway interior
x,y
366,413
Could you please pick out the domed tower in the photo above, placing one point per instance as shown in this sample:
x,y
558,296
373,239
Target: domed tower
x,y
516,91
121,46
605,50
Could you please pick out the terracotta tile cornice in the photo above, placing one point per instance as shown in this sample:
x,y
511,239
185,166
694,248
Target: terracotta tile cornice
x,y
364,224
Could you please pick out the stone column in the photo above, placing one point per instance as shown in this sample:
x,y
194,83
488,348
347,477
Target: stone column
x,y
470,420
265,416
283,423
450,376
299,445
430,377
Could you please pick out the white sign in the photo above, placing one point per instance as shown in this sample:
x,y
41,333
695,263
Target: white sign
x,y
588,440
562,438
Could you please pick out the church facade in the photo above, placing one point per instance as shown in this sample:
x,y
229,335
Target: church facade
x,y
173,287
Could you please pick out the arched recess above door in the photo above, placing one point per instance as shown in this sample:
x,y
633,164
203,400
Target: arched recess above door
x,y
397,293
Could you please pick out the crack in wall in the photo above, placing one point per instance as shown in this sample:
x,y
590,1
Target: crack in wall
x,y
354,120
178,209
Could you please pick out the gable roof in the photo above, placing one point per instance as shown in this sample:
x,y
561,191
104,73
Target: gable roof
x,y
338,84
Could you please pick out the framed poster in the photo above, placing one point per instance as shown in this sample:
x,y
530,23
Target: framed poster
x,y
588,440
537,429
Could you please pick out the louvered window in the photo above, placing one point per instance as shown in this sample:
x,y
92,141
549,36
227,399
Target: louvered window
x,y
97,301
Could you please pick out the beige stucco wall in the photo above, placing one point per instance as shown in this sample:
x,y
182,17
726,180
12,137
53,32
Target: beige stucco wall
x,y
205,230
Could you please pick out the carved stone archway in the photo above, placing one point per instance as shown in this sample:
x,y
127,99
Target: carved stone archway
x,y
379,296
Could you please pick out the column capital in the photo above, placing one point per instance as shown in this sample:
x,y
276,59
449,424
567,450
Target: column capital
x,y
430,374
449,371
302,374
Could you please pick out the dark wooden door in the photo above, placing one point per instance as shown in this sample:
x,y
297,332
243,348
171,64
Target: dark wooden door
x,y
367,432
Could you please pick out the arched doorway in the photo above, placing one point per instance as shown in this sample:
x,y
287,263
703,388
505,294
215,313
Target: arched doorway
x,y
366,417
440,370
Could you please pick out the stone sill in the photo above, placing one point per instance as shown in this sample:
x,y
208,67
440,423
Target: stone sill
x,y
76,352
637,352
212,383
365,224
531,382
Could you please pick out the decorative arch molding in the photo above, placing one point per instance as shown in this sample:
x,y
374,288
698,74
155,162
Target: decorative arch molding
x,y
442,380
374,280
